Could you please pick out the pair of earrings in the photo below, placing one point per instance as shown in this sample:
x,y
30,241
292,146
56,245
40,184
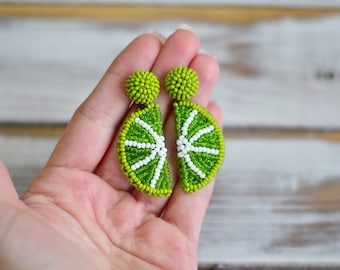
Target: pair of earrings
x,y
141,146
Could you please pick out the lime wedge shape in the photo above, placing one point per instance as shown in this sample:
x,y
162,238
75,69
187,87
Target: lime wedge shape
x,y
200,145
142,152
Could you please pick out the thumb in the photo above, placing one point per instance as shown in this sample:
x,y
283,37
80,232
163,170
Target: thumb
x,y
7,190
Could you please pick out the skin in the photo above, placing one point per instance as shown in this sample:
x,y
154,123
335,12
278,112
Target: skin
x,y
80,212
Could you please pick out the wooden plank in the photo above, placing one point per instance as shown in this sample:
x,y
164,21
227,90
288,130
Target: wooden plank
x,y
24,157
270,266
281,73
280,3
129,13
276,202
56,130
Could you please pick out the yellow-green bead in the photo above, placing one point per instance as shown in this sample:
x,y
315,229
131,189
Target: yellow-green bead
x,y
142,87
182,83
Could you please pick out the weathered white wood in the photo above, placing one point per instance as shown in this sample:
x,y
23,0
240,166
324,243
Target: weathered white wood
x,y
275,201
276,73
280,3
24,157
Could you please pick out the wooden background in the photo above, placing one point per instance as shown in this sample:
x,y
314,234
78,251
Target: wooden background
x,y
277,199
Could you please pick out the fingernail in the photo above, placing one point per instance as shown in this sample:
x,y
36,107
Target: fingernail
x,y
184,26
201,51
158,35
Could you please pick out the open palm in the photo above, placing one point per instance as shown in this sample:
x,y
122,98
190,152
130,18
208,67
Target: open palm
x,y
80,212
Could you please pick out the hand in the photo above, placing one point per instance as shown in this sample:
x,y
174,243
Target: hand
x,y
80,212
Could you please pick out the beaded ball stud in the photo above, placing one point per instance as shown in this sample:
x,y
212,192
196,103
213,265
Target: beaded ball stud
x,y
141,145
142,87
200,142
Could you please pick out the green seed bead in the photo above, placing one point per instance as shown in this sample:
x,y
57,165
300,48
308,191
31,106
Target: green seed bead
x,y
142,87
182,83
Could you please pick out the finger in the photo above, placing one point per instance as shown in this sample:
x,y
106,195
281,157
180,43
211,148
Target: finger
x,y
93,125
207,69
7,190
186,210
179,50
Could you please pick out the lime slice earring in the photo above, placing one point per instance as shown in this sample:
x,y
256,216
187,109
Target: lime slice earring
x,y
141,145
200,142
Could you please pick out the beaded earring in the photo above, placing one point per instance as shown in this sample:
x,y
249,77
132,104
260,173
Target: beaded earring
x,y
141,145
200,142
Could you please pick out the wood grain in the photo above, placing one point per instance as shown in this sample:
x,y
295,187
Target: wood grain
x,y
56,130
128,13
275,202
268,266
270,3
282,74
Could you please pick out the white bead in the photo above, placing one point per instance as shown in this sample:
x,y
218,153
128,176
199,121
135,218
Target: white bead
x,y
153,154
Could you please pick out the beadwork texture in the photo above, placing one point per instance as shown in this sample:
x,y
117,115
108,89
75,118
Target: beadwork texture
x,y
200,142
200,145
142,152
142,87
141,146
182,83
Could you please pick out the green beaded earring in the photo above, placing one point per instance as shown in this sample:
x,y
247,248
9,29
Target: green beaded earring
x,y
141,146
200,142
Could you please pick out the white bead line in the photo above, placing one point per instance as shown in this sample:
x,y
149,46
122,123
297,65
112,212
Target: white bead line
x,y
188,122
207,150
201,133
157,173
158,149
140,145
184,146
193,167
147,127
144,161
